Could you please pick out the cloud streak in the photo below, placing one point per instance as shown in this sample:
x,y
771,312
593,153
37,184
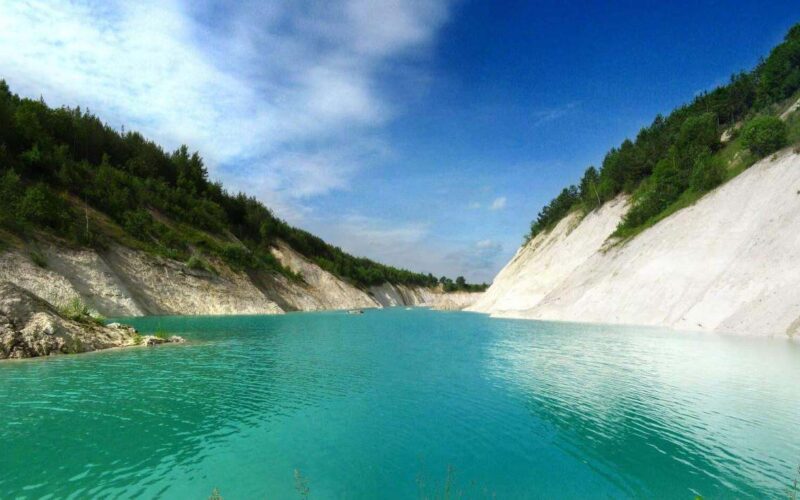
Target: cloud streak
x,y
284,100
552,114
498,204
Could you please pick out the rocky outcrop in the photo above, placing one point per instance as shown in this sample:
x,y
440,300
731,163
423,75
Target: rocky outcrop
x,y
728,263
125,282
151,340
30,327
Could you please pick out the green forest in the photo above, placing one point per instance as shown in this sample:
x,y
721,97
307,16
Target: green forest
x,y
678,158
66,173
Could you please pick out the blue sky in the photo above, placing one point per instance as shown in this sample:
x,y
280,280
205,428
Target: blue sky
x,y
422,133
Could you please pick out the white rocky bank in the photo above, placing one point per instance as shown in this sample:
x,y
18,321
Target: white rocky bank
x,y
729,264
124,282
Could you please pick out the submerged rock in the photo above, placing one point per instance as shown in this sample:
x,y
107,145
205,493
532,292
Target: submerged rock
x,y
120,326
150,340
30,327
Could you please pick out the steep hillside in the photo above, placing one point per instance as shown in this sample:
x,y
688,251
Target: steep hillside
x,y
89,212
678,228
550,258
726,264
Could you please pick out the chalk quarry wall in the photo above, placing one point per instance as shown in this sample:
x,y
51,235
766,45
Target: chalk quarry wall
x,y
121,281
730,263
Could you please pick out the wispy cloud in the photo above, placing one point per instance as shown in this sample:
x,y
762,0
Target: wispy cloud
x,y
397,243
498,203
545,116
480,259
278,97
413,245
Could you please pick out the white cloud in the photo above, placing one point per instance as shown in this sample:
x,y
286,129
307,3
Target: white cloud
x,y
478,261
276,92
412,245
498,203
396,243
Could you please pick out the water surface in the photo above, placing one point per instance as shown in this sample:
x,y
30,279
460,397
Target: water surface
x,y
382,405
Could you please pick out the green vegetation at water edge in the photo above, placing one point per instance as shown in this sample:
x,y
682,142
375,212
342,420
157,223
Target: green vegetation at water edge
x,y
162,334
678,158
77,310
65,173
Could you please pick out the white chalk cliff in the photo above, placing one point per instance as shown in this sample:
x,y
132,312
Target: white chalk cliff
x,y
121,281
730,263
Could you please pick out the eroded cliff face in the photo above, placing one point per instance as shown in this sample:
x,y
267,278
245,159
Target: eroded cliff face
x,y
124,282
322,289
728,264
389,295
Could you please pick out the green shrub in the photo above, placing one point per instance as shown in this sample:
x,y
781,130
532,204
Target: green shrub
x,y
137,339
198,263
195,262
75,309
38,259
764,134
237,255
162,334
171,253
666,185
699,132
10,188
97,318
41,206
708,173
138,223
171,241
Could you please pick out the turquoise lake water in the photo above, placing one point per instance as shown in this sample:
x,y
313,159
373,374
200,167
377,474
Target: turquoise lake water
x,y
384,404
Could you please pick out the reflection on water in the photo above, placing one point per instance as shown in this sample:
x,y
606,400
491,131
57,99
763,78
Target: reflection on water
x,y
684,413
365,405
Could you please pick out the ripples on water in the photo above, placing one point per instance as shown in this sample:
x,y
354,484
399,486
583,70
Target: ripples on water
x,y
379,405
